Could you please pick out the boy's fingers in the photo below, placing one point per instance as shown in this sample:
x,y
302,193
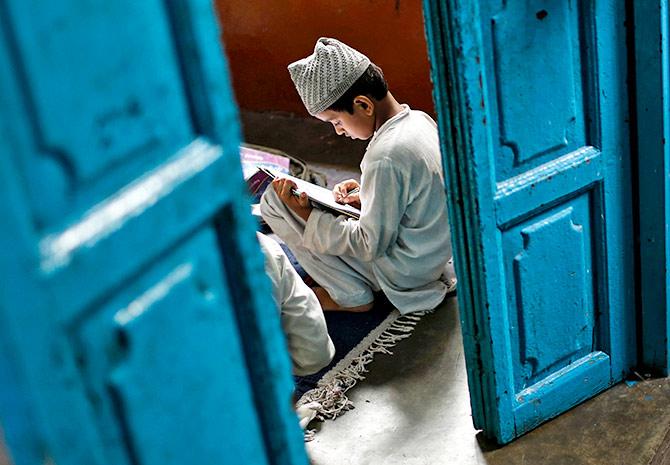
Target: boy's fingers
x,y
285,189
303,201
290,186
279,186
350,184
276,185
339,191
351,198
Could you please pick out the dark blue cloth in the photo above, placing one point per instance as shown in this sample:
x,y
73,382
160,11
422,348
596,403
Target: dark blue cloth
x,y
346,329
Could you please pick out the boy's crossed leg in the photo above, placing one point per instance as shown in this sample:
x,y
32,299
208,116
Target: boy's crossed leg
x,y
327,302
345,283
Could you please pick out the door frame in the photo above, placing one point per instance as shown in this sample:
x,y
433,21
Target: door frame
x,y
650,86
451,96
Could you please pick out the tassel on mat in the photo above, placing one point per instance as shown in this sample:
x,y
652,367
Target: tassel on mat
x,y
328,398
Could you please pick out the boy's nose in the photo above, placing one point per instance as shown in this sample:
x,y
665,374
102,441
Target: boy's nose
x,y
339,131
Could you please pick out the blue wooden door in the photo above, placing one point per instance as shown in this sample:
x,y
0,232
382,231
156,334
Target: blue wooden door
x,y
136,323
533,112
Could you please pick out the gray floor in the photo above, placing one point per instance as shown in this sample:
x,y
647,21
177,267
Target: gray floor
x,y
413,409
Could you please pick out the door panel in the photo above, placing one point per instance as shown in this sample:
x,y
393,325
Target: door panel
x,y
533,121
96,122
541,186
163,203
550,330
136,322
166,347
536,62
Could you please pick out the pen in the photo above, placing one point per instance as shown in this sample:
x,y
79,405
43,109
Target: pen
x,y
273,176
352,191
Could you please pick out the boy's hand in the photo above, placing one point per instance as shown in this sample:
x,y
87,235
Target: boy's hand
x,y
342,193
298,203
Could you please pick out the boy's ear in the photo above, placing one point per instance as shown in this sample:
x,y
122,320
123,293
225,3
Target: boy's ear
x,y
365,103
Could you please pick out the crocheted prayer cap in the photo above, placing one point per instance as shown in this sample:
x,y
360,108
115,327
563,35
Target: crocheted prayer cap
x,y
325,75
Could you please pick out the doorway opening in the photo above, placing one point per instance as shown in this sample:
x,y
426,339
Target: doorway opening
x,y
425,381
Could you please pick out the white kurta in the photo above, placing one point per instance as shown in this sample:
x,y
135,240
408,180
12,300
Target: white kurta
x,y
401,244
302,318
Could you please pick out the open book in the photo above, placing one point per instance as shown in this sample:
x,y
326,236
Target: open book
x,y
320,197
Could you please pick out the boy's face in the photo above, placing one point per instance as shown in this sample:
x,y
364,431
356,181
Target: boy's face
x,y
359,125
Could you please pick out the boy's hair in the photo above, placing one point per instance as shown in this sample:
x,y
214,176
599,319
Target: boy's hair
x,y
371,84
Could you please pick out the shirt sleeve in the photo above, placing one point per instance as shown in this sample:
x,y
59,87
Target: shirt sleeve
x,y
303,322
384,198
302,319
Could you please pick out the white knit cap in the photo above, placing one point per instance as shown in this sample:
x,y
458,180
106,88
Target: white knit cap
x,y
324,76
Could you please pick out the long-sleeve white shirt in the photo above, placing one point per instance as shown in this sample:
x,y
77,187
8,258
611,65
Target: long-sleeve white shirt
x,y
309,344
403,229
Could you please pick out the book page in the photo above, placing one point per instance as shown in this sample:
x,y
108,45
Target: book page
x,y
319,194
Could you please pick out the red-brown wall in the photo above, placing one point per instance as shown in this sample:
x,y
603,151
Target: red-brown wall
x,y
262,37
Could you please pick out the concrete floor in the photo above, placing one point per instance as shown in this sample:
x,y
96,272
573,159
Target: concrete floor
x,y
414,407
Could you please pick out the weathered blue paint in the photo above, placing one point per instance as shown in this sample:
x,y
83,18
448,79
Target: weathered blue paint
x,y
136,323
653,129
532,108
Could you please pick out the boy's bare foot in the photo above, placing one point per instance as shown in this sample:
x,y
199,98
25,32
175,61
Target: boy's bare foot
x,y
328,304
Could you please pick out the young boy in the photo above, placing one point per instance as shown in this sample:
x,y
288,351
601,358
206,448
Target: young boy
x,y
401,243
302,319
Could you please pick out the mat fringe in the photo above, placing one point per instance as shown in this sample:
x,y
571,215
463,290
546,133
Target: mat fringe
x,y
330,392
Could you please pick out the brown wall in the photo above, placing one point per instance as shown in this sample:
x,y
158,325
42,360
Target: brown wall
x,y
262,37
